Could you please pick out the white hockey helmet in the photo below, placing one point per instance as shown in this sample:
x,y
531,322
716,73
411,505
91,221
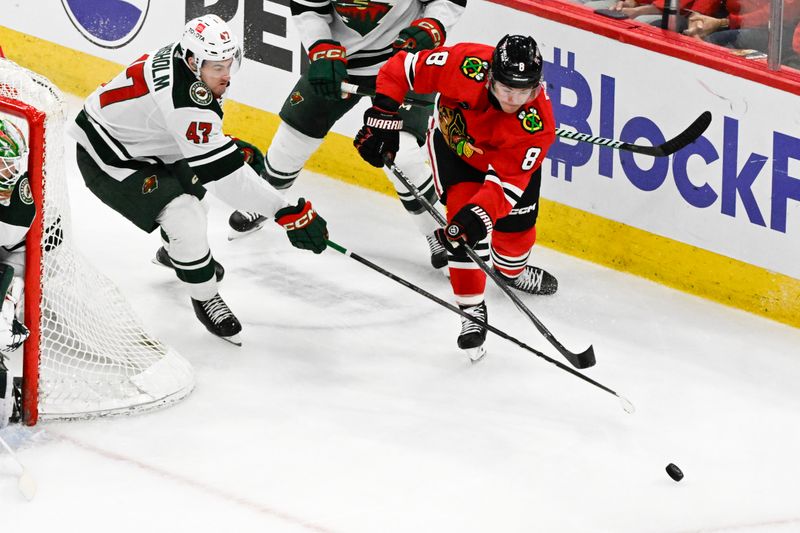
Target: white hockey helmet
x,y
13,155
209,38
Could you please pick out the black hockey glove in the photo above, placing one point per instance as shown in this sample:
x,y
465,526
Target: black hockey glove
x,y
328,69
469,226
423,34
304,227
252,156
379,137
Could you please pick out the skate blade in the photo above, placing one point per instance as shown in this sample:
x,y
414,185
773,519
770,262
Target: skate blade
x,y
155,261
475,354
233,339
233,234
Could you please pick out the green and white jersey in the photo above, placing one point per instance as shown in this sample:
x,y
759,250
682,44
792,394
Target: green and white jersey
x,y
16,217
156,111
367,28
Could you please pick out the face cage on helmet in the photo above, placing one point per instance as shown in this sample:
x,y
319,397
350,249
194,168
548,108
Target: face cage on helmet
x,y
11,169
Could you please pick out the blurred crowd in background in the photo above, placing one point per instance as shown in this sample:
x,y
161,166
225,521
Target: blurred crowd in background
x,y
743,26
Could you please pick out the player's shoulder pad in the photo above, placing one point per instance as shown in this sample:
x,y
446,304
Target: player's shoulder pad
x,y
472,60
188,91
21,209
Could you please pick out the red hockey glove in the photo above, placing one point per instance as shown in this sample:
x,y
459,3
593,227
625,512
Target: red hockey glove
x,y
328,68
304,227
469,226
423,34
379,137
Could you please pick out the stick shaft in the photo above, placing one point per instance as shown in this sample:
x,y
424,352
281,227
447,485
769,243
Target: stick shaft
x,y
500,333
578,360
669,147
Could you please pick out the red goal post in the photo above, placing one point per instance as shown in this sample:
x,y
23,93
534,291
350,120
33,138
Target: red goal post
x,y
87,354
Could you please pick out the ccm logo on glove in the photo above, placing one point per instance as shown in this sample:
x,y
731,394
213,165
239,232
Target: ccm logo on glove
x,y
300,221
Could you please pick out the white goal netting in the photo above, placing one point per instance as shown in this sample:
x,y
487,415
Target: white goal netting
x,y
93,356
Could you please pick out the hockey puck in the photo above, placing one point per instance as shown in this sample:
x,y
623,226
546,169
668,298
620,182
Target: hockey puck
x,y
674,472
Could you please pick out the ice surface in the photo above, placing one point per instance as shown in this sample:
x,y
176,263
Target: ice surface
x,y
350,409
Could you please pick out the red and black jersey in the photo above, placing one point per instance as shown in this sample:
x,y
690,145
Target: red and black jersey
x,y
506,147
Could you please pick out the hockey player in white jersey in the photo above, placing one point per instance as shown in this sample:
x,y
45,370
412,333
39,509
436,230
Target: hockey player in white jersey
x,y
350,40
17,211
150,145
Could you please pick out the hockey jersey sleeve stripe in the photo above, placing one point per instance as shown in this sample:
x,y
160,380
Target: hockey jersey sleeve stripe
x,y
211,155
299,7
512,193
462,3
217,163
106,146
362,61
410,64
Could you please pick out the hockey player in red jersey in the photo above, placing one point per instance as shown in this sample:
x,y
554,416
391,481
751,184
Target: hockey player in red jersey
x,y
494,125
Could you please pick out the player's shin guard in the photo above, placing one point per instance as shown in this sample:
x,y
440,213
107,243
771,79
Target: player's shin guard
x,y
287,155
184,223
469,282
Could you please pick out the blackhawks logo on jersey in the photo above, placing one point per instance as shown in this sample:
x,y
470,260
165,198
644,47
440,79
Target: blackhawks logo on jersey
x,y
530,119
474,68
200,93
454,128
361,15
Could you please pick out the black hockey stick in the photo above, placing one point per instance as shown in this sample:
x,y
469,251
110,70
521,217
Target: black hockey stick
x,y
578,360
626,404
684,138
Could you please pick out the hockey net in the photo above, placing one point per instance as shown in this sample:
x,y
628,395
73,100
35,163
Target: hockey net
x,y
88,354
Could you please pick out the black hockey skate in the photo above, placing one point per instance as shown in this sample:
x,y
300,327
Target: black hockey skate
x,y
472,335
533,280
162,258
218,319
438,252
244,223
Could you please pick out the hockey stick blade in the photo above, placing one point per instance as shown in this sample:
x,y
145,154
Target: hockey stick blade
x,y
686,137
26,483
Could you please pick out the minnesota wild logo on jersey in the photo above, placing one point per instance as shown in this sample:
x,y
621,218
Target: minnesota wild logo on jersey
x,y
362,16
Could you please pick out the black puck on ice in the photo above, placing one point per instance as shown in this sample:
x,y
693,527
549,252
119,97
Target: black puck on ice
x,y
674,472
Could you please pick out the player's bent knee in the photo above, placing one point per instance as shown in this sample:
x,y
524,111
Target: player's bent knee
x,y
290,150
184,216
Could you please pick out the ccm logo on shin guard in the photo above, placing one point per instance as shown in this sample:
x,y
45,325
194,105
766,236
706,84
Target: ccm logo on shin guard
x,y
523,210
302,221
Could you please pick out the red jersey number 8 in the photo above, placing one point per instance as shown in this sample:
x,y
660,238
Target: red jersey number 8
x,y
530,157
437,58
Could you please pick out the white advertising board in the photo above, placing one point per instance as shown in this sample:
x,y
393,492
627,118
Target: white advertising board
x,y
735,192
